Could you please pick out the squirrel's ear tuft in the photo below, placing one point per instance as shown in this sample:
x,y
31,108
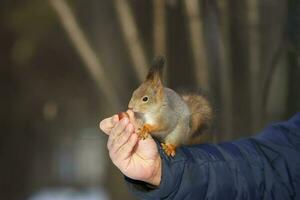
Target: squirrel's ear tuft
x,y
156,70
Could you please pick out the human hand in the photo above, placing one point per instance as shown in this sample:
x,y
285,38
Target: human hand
x,y
137,159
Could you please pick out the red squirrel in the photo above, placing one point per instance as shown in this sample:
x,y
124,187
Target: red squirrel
x,y
167,116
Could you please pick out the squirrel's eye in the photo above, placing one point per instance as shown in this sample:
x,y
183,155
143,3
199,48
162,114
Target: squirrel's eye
x,y
145,98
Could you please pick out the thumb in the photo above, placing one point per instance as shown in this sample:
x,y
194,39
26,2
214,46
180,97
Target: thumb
x,y
108,123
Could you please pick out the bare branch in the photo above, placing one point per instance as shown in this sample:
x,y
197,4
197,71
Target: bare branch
x,y
159,29
132,39
91,61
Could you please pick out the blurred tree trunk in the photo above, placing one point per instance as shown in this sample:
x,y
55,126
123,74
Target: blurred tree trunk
x,y
273,60
10,186
180,58
212,41
293,57
242,122
159,27
225,78
253,16
293,103
132,38
197,42
159,30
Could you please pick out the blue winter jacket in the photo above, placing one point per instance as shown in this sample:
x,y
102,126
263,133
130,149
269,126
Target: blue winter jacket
x,y
266,166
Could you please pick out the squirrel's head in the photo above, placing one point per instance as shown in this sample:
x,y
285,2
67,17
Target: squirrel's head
x,y
150,94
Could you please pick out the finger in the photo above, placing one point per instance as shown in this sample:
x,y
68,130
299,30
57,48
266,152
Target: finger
x,y
119,127
107,124
120,141
126,150
116,131
130,113
132,117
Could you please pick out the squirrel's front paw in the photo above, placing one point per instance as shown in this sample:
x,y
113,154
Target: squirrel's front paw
x,y
143,132
169,149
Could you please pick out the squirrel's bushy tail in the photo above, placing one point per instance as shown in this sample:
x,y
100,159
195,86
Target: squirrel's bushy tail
x,y
201,111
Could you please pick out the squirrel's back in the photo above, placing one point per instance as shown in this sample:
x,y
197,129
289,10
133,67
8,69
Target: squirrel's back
x,y
193,106
200,110
176,103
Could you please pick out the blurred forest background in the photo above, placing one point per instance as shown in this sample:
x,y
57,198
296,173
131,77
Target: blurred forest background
x,y
65,65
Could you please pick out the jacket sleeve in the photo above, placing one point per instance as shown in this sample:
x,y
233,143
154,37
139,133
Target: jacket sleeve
x,y
263,167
